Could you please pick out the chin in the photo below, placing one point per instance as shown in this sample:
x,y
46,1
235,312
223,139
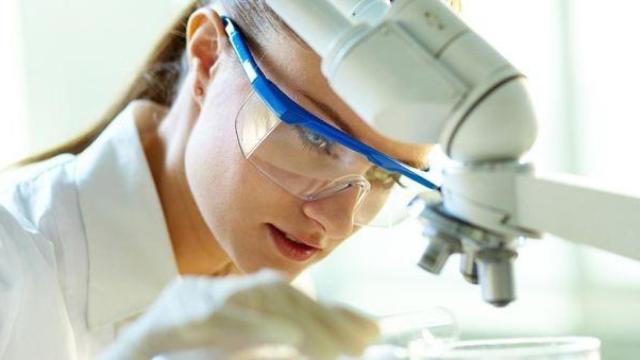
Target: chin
x,y
289,272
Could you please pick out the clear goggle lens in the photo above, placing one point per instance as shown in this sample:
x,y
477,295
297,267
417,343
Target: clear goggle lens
x,y
312,167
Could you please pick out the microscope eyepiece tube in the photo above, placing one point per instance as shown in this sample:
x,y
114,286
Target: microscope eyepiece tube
x,y
318,22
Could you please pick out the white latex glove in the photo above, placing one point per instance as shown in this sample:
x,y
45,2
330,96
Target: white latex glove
x,y
241,312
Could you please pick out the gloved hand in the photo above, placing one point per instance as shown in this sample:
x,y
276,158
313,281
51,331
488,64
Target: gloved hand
x,y
240,312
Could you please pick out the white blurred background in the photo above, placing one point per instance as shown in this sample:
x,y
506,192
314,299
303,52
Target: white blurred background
x,y
63,61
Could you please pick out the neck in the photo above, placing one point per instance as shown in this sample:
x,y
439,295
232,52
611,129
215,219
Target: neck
x,y
195,248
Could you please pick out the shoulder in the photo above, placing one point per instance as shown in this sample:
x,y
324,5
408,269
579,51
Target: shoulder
x,y
36,208
29,172
27,194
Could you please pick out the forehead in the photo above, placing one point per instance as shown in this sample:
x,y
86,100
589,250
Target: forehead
x,y
296,70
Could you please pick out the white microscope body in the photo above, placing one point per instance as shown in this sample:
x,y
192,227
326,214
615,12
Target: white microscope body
x,y
415,72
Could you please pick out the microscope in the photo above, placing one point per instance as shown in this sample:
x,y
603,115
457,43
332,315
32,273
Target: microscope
x,y
417,73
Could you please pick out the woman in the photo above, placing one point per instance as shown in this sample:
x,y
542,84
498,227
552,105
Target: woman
x,y
172,182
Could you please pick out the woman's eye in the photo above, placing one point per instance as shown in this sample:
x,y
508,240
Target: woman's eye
x,y
314,141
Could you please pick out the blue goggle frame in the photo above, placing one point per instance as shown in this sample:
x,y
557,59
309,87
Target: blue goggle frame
x,y
289,112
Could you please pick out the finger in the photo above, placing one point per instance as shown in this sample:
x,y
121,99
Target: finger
x,y
319,342
347,334
231,328
367,326
342,330
349,329
364,329
252,327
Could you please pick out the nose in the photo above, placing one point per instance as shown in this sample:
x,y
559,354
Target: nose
x,y
336,212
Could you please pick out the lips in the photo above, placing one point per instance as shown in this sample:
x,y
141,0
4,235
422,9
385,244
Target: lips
x,y
291,247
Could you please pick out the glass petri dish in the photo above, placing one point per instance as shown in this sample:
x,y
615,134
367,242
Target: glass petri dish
x,y
430,326
543,348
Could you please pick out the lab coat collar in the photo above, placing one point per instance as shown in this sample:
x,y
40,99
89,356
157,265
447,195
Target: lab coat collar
x,y
129,249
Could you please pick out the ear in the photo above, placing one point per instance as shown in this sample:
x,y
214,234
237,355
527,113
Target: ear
x,y
206,39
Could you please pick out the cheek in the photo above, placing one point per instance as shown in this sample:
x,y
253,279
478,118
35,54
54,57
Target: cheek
x,y
215,169
233,198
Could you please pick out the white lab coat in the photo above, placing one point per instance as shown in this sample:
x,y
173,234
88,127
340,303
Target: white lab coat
x,y
83,246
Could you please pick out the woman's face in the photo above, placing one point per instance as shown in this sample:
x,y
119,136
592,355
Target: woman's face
x,y
249,215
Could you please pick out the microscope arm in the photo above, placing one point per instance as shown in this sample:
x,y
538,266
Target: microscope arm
x,y
571,209
513,200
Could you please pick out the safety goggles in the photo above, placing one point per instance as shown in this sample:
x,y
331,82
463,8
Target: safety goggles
x,y
312,159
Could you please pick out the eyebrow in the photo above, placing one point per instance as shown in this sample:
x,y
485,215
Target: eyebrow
x,y
330,113
334,117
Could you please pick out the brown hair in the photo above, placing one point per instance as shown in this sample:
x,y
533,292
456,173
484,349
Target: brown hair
x,y
160,76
